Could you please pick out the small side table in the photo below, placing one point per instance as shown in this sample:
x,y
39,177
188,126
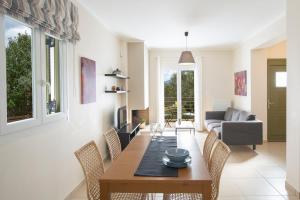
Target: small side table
x,y
185,125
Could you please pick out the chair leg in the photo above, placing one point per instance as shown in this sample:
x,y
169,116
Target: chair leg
x,y
151,196
254,146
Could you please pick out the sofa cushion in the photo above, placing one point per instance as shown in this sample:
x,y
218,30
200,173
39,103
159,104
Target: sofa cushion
x,y
246,116
235,115
209,121
212,125
243,116
228,114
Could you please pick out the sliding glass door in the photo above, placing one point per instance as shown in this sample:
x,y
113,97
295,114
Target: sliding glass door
x,y
170,97
179,98
187,95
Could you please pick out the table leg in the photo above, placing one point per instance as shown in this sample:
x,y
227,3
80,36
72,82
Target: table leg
x,y
207,192
175,131
104,194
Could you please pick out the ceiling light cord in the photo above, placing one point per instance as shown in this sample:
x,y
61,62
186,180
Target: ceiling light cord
x,y
186,34
186,43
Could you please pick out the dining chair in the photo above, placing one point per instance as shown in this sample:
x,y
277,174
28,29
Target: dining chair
x,y
114,144
219,157
208,146
92,164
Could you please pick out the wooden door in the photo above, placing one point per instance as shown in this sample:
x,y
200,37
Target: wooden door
x,y
277,80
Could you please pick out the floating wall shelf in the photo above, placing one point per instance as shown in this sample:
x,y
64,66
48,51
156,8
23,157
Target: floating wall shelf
x,y
118,76
116,92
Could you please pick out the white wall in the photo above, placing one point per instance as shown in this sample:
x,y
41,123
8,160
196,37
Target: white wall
x,y
242,56
259,71
293,94
39,163
139,76
216,73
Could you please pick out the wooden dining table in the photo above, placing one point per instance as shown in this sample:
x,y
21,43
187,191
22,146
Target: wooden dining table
x,y
119,177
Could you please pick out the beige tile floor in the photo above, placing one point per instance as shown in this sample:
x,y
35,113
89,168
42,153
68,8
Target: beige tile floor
x,y
247,175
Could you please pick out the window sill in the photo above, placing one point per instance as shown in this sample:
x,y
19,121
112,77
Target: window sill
x,y
18,126
54,117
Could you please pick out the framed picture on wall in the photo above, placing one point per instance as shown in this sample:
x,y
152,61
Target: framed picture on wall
x,y
240,83
88,80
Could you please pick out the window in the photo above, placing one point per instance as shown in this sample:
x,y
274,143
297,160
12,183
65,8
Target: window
x,y
32,76
53,86
19,82
281,79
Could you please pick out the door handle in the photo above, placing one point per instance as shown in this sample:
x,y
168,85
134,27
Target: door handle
x,y
269,103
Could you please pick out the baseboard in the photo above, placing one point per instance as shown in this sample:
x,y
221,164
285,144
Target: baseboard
x,y
106,162
69,196
292,189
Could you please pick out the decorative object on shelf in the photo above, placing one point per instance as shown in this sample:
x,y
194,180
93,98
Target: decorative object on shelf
x,y
240,83
117,71
88,80
186,57
117,89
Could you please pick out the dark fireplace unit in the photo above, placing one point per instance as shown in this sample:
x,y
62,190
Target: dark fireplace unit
x,y
139,116
126,131
122,117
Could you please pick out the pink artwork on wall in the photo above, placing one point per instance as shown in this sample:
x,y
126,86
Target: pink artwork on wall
x,y
240,83
88,80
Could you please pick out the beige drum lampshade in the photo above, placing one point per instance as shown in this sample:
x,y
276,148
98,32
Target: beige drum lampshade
x,y
186,58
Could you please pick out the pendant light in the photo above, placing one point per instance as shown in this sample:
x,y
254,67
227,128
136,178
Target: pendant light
x,y
186,57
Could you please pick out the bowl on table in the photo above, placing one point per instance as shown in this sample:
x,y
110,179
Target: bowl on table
x,y
182,164
177,154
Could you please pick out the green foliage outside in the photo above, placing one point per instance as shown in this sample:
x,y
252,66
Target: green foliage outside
x,y
19,77
187,89
187,92
171,98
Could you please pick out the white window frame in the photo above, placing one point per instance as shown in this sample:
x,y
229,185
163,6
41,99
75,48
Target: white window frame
x,y
167,63
39,104
62,67
35,120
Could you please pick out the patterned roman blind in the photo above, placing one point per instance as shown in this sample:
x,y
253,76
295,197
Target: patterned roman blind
x,y
57,17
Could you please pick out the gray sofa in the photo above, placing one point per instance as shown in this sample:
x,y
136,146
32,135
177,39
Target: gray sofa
x,y
235,127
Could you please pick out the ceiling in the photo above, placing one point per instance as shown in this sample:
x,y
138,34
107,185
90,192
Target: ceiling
x,y
211,23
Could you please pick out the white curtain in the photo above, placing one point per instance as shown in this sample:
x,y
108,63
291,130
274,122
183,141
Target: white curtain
x,y
6,3
49,13
57,17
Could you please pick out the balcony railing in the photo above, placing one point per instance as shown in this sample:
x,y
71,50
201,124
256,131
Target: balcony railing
x,y
188,109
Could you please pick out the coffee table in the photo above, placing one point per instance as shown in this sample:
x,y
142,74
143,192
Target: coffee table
x,y
184,125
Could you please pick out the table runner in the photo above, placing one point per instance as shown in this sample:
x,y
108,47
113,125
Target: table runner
x,y
151,163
